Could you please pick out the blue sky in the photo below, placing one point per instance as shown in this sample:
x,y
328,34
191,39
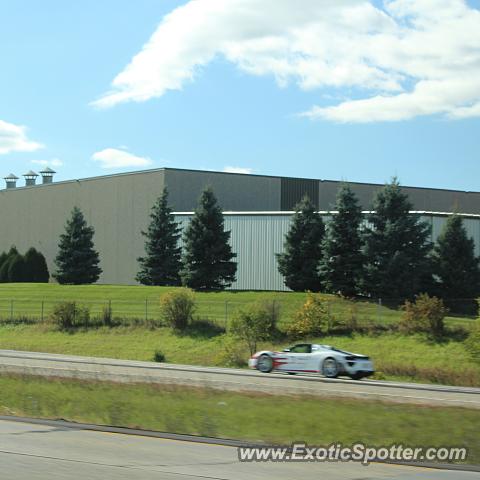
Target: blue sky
x,y
244,85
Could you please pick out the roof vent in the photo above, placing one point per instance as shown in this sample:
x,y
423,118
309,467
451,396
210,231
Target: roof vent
x,y
30,178
47,175
11,180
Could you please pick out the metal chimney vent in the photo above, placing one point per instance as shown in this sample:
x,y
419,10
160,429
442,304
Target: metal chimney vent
x,y
30,178
11,180
47,175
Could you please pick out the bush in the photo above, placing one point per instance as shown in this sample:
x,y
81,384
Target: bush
x,y
159,356
256,322
425,315
232,353
17,269
178,307
107,317
36,269
312,319
472,343
68,315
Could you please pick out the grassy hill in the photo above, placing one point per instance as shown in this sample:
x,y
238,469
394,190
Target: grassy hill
x,y
396,356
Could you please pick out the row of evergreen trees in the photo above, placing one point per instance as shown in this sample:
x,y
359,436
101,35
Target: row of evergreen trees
x,y
207,261
388,256
30,267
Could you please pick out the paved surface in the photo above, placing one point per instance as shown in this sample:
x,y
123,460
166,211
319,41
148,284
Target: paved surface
x,y
39,452
233,379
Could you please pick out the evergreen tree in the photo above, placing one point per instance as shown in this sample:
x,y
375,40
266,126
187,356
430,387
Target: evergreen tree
x,y
162,263
208,259
341,264
36,269
397,248
17,269
3,259
303,249
12,253
456,266
77,261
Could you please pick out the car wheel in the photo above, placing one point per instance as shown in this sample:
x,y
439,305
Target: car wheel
x,y
330,368
265,363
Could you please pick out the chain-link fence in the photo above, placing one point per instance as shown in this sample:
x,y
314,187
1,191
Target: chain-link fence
x,y
220,312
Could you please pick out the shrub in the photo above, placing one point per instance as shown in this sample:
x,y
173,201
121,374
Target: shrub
x,y
68,315
312,319
426,315
472,343
159,356
256,322
178,307
107,317
17,269
232,353
36,269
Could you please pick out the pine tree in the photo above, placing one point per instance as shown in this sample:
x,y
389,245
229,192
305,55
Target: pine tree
x,y
208,259
36,269
397,248
162,262
342,261
77,261
303,249
4,276
456,265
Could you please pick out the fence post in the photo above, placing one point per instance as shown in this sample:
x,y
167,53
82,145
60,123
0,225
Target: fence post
x,y
11,310
41,315
74,313
146,310
226,314
379,310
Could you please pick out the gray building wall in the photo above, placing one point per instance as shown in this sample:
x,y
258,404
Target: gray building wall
x,y
257,238
235,192
116,206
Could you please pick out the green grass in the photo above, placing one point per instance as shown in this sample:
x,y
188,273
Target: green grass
x,y
26,299
241,416
396,356
415,358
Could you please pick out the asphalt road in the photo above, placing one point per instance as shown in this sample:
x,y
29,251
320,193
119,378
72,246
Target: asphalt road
x,y
40,452
68,366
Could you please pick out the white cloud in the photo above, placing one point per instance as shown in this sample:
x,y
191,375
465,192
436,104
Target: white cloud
x,y
13,138
115,158
245,170
408,58
54,162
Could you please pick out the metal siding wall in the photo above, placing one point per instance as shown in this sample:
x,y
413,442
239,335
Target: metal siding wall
x,y
293,189
255,239
235,192
117,207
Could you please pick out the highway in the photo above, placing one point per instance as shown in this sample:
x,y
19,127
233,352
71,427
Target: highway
x,y
127,371
37,451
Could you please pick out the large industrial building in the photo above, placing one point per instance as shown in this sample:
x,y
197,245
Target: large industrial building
x,y
257,210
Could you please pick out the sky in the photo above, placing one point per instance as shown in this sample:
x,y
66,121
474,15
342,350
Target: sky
x,y
350,90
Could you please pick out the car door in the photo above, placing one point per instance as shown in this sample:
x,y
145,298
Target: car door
x,y
299,358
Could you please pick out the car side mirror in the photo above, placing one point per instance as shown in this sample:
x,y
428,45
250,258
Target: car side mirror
x,y
286,350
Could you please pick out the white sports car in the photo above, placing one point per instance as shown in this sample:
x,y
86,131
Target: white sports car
x,y
313,358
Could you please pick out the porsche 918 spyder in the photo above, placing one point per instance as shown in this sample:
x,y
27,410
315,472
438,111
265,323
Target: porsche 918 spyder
x,y
312,358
